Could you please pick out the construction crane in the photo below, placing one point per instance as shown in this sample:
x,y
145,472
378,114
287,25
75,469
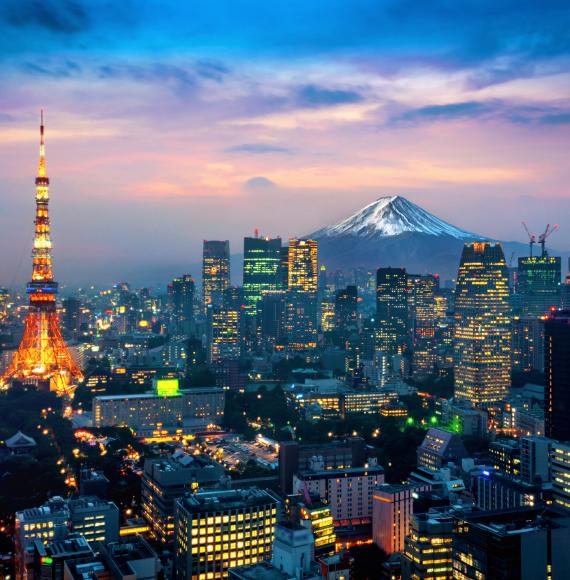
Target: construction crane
x,y
542,238
531,237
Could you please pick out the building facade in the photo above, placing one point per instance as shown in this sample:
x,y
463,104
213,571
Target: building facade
x,y
222,529
482,325
152,416
215,272
557,375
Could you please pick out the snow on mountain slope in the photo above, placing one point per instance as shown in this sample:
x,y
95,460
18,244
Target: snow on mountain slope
x,y
391,216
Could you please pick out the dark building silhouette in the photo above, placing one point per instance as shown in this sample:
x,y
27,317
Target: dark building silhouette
x,y
346,312
294,457
557,375
391,309
181,300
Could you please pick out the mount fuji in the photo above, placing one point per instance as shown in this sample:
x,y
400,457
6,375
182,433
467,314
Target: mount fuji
x,y
393,231
392,216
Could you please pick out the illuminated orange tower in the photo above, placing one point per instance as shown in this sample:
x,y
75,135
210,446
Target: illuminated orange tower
x,y
42,357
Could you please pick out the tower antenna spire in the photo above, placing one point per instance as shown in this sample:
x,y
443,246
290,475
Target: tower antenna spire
x,y
42,169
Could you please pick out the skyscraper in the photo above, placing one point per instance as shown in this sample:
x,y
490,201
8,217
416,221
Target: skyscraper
x,y
261,269
181,297
527,343
303,273
391,309
557,375
271,319
71,316
301,302
346,312
215,272
42,357
538,284
225,341
482,326
422,311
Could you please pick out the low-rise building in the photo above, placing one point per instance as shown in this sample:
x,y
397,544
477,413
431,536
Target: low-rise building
x,y
440,447
151,415
348,491
428,547
95,519
166,479
495,491
523,544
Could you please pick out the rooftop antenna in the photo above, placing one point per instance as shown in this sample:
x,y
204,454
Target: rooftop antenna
x,y
531,237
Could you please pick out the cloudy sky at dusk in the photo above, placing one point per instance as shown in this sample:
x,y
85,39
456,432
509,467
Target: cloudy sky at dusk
x,y
171,122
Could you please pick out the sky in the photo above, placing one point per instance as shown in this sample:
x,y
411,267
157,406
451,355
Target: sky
x,y
172,122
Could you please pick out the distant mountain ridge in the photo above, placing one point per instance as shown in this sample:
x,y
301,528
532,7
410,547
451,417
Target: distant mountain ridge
x,y
393,231
392,216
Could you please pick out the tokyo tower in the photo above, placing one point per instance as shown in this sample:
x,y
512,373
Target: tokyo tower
x,y
42,357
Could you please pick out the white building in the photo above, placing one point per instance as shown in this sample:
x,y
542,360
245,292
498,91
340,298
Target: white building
x,y
152,415
348,491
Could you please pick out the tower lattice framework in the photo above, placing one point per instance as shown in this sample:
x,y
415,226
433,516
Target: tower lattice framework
x,y
43,357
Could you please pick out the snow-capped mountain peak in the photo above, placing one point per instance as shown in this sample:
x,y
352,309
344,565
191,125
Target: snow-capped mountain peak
x,y
391,216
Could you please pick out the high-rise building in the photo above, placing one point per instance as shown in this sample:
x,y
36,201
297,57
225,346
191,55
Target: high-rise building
x,y
392,508
564,298
301,320
71,316
4,301
482,325
225,342
261,269
423,319
346,313
215,272
527,343
42,357
303,274
557,375
538,284
391,310
316,516
301,301
181,293
221,529
272,319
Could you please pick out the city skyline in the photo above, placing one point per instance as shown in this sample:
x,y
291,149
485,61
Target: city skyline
x,y
169,127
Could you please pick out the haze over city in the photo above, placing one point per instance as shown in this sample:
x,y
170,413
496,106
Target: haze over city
x,y
170,124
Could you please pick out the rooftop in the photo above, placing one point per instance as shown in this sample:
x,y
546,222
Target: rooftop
x,y
218,500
